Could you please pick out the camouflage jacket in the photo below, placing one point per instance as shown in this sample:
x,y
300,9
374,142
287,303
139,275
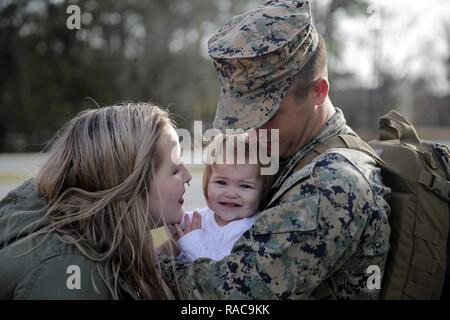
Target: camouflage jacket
x,y
325,224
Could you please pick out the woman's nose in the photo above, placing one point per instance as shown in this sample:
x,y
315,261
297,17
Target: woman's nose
x,y
186,175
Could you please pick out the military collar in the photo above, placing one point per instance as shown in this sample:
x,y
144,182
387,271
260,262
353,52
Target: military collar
x,y
333,127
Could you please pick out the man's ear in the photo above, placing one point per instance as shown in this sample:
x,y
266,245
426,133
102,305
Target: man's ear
x,y
320,90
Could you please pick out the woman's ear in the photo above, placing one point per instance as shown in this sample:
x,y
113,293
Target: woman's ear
x,y
320,90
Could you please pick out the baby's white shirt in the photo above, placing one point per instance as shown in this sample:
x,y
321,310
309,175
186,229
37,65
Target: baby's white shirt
x,y
212,240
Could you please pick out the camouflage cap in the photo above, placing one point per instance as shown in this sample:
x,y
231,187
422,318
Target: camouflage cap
x,y
256,55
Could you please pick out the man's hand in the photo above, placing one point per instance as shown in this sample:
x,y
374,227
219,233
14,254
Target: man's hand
x,y
188,226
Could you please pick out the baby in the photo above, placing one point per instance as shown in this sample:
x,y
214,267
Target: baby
x,y
233,194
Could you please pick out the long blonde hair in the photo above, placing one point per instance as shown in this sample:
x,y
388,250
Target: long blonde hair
x,y
97,180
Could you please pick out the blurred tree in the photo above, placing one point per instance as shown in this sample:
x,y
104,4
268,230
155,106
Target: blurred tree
x,y
126,50
326,15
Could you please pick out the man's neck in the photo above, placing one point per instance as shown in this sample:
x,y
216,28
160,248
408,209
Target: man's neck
x,y
322,114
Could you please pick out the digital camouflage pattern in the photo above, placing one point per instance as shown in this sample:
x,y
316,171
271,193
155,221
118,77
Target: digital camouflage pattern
x,y
325,224
256,55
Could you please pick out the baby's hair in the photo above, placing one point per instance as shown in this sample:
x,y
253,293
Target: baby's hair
x,y
233,149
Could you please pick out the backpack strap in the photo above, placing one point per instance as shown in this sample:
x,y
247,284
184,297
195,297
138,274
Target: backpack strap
x,y
344,141
435,183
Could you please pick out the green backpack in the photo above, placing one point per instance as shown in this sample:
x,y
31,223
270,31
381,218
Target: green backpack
x,y
418,174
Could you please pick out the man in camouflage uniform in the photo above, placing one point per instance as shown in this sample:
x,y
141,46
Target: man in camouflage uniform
x,y
327,221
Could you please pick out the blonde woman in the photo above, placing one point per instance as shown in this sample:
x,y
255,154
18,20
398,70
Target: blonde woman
x,y
81,229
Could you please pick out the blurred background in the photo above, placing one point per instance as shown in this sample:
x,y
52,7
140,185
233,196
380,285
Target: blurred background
x,y
383,55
